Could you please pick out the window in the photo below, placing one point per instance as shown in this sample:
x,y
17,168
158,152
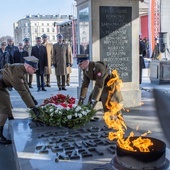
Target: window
x,y
35,24
42,29
53,37
42,24
48,24
48,30
35,29
53,30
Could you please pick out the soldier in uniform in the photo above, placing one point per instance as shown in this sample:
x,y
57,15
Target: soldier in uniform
x,y
60,61
13,75
49,48
100,73
28,48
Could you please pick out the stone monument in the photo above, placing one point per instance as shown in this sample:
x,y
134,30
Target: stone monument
x,y
109,31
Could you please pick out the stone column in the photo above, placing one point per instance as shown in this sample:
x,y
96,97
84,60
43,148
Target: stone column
x,y
114,39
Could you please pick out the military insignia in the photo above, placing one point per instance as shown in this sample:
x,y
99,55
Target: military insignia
x,y
99,74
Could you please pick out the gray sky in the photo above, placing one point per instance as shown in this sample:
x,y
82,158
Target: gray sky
x,y
12,11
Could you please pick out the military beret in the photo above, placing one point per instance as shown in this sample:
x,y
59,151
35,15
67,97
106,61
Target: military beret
x,y
31,60
81,58
26,39
38,38
59,36
44,36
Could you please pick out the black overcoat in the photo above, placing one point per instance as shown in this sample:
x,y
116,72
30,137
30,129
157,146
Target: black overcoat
x,y
41,54
19,56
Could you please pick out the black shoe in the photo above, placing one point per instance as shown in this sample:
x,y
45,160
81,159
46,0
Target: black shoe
x,y
11,118
43,89
38,90
68,84
59,89
4,141
30,86
48,85
63,88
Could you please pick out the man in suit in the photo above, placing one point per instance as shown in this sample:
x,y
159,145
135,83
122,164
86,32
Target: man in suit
x,y
13,75
20,54
60,61
40,52
49,48
28,48
101,74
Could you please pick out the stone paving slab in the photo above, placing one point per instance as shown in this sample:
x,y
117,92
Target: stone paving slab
x,y
43,147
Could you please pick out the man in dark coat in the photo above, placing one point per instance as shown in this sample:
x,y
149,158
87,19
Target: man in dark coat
x,y
101,74
13,75
4,55
40,52
11,49
20,54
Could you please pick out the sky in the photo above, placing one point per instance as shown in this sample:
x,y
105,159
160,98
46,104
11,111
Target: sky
x,y
12,11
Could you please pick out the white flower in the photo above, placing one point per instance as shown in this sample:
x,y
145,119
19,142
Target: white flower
x,y
59,112
67,108
78,108
51,114
74,105
51,110
83,112
56,111
79,115
69,116
60,107
76,115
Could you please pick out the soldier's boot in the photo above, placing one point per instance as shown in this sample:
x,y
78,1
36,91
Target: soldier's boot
x,y
3,140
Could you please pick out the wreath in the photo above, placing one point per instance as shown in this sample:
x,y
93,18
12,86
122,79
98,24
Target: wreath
x,y
61,110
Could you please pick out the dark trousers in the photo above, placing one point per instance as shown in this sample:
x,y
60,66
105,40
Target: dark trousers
x,y
29,78
47,79
40,78
61,81
68,78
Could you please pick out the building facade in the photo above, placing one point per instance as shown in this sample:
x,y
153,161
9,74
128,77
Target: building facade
x,y
33,26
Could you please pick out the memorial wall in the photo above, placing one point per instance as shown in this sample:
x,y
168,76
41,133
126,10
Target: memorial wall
x,y
116,39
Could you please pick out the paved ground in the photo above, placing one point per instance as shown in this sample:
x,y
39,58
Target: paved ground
x,y
144,116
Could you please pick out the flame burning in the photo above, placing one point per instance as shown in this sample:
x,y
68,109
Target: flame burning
x,y
114,119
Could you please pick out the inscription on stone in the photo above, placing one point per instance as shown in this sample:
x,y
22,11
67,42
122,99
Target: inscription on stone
x,y
116,39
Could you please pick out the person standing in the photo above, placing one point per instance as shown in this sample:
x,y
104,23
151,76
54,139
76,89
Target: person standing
x,y
4,55
40,52
49,48
69,64
28,48
13,75
11,49
20,54
60,61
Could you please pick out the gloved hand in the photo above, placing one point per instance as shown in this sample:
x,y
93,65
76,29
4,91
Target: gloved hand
x,y
93,103
35,101
81,101
36,111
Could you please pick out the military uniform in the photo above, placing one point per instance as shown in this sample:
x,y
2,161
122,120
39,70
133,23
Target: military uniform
x,y
100,73
13,76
